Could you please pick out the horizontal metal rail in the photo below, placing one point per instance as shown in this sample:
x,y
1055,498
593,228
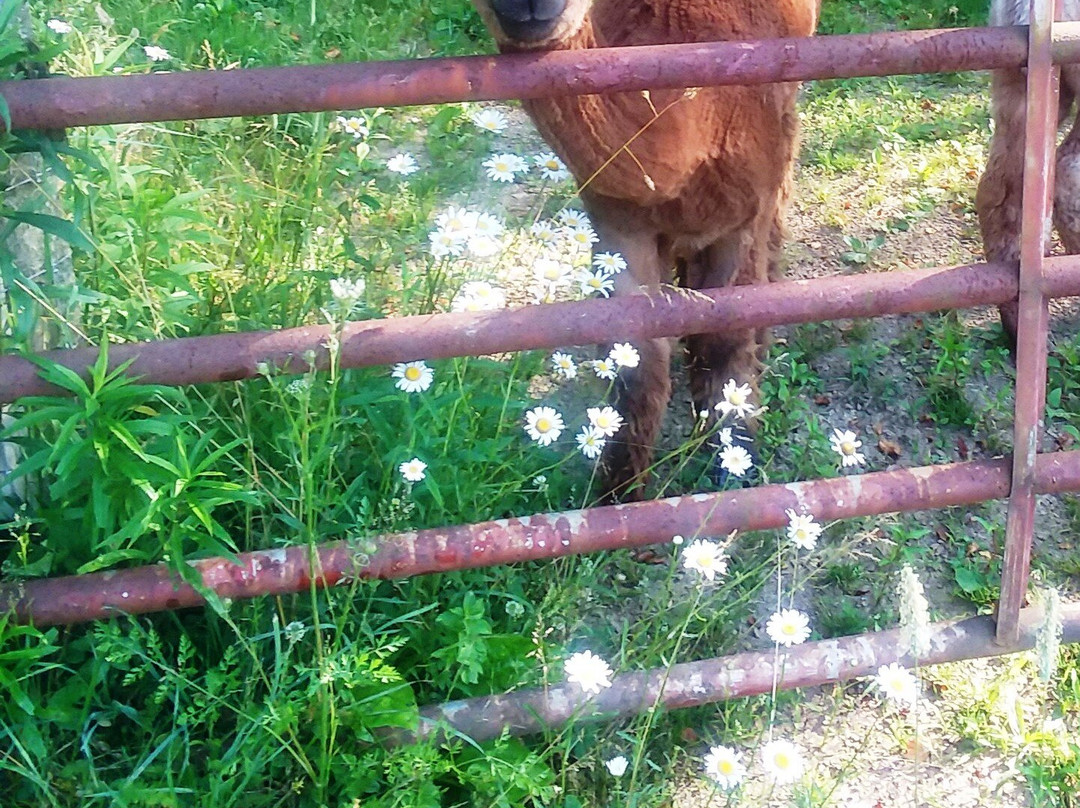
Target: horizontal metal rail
x,y
139,590
673,313
57,103
691,684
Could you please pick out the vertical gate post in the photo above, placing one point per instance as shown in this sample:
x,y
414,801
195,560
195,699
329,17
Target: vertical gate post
x,y
1040,135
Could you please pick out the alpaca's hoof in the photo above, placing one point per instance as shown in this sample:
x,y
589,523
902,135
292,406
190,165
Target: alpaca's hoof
x,y
733,469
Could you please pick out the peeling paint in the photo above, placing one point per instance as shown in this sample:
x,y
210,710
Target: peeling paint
x,y
575,521
277,556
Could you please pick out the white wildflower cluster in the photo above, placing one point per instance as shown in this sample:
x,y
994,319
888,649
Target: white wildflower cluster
x,y
914,614
478,296
782,761
463,232
544,425
155,53
347,293
1048,635
622,355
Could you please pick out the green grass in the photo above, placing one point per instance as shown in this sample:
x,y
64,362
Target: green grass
x,y
217,226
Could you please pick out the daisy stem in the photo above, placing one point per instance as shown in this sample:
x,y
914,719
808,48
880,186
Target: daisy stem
x,y
650,716
776,647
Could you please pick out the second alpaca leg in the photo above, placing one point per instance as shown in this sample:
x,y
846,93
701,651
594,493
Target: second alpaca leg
x,y
999,197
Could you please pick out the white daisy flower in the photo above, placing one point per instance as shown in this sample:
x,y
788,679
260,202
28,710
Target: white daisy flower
x,y
544,232
897,684
156,54
353,126
484,246
459,221
724,766
610,262
564,365
503,167
736,460
591,442
484,224
845,444
478,296
413,471
802,530
552,273
705,558
583,236
412,377
788,627
596,282
490,120
544,425
347,293
604,368
588,670
617,766
569,217
625,355
551,167
59,26
783,761
443,243
736,400
403,164
605,419
723,435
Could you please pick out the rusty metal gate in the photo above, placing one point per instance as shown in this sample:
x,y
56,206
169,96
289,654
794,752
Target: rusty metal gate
x,y
63,102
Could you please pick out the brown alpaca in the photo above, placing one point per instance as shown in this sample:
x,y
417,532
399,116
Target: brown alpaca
x,y
694,182
998,199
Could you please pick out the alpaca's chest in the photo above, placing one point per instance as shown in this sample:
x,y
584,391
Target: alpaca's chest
x,y
697,160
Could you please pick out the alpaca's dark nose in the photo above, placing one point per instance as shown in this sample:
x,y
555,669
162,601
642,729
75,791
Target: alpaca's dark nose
x,y
528,20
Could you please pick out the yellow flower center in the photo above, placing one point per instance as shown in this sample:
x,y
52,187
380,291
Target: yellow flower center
x,y
736,399
788,628
543,425
782,760
847,447
725,767
412,374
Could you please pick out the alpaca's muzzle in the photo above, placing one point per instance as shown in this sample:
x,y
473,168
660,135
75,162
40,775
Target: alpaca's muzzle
x,y
528,20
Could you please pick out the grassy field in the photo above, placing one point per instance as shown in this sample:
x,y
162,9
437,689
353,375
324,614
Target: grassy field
x,y
242,224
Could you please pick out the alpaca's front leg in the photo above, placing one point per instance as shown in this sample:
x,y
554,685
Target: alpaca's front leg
x,y
641,393
641,396
724,365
